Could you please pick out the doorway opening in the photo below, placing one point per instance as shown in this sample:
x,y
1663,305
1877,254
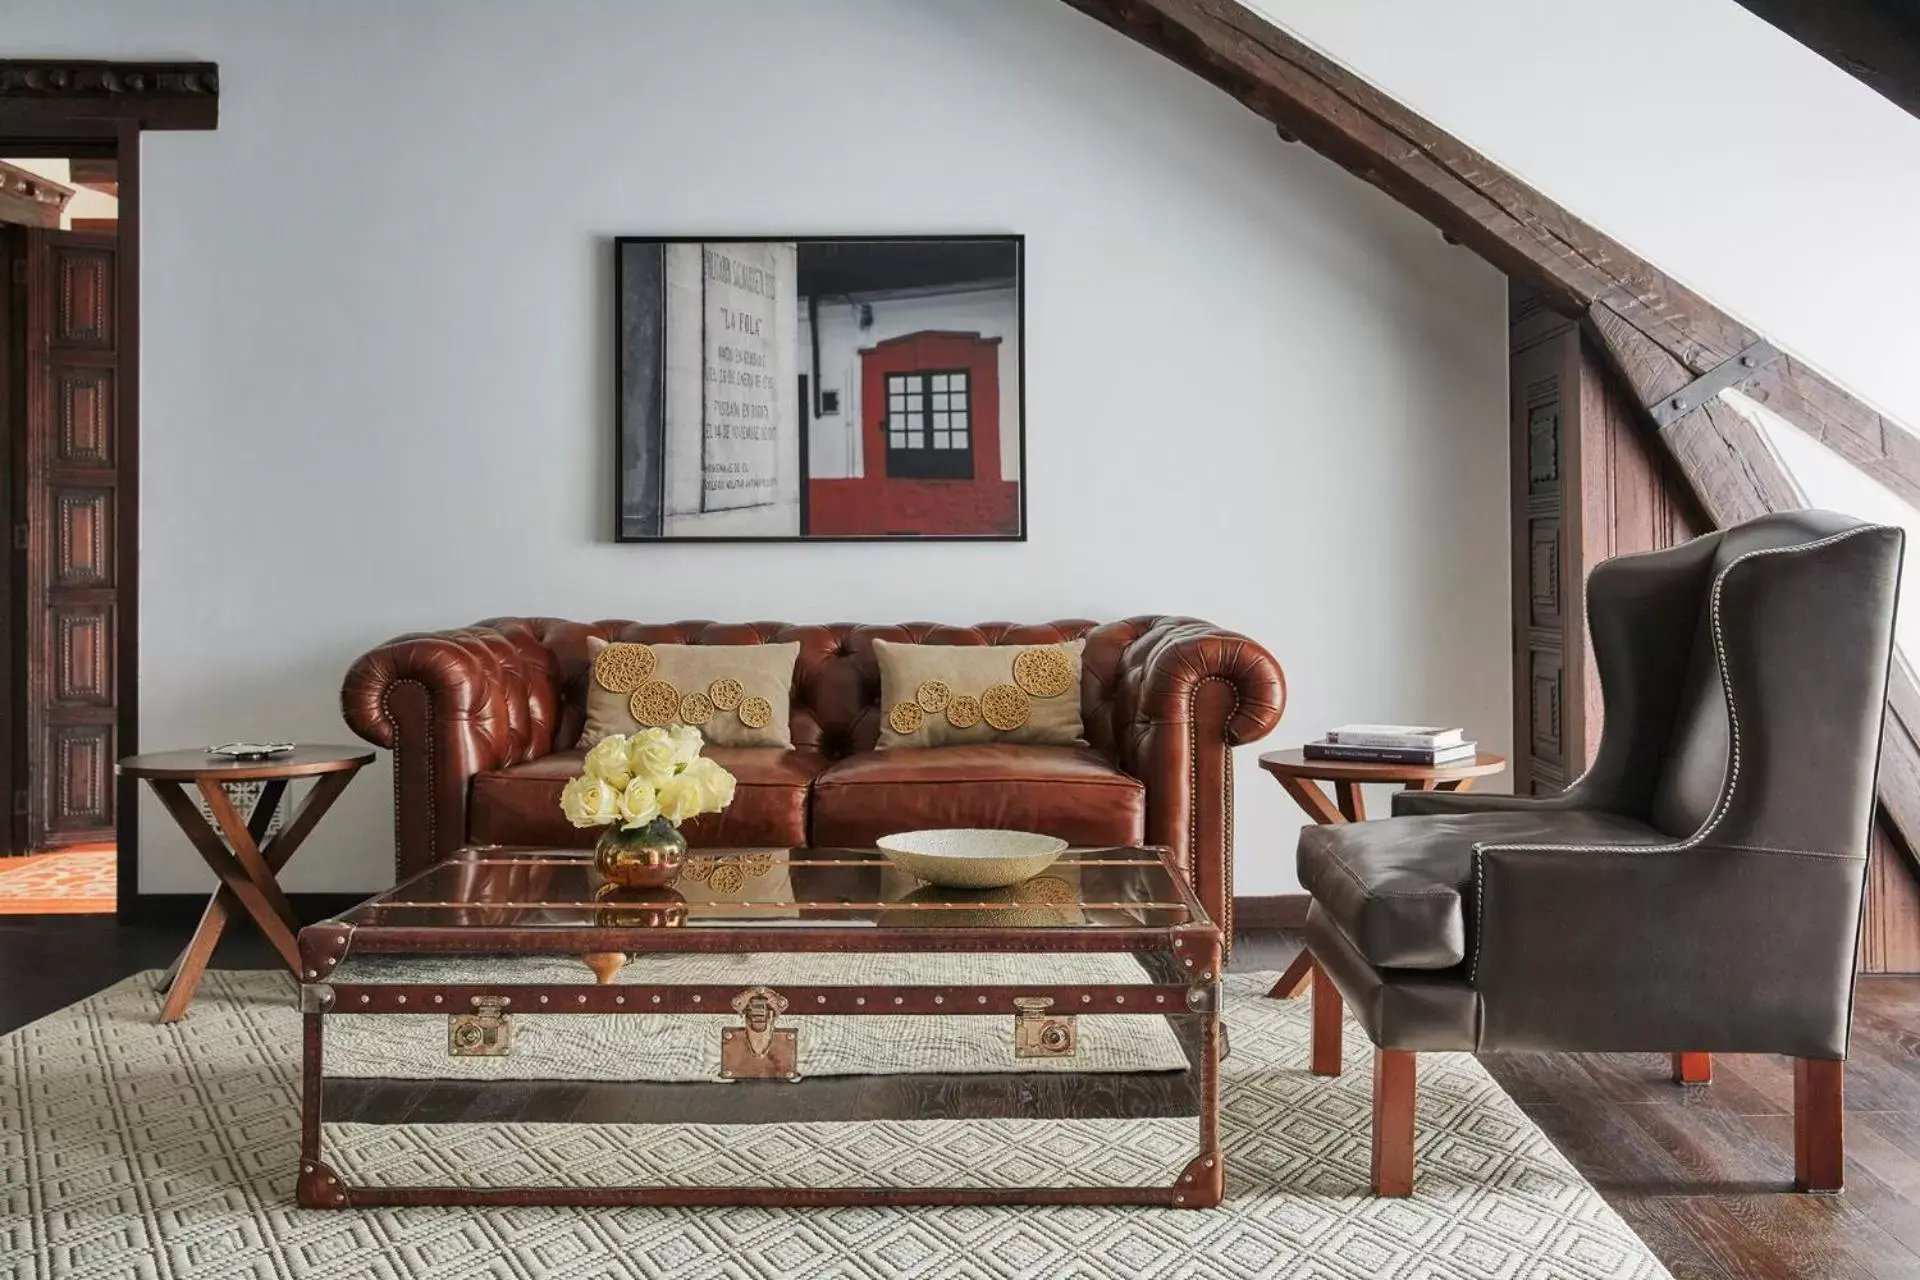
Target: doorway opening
x,y
63,490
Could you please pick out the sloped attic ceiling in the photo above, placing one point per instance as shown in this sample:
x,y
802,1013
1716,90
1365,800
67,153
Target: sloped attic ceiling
x,y
1673,347
1877,42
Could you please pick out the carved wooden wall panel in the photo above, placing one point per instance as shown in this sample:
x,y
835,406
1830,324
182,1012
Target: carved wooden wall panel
x,y
83,409
80,779
72,485
1586,487
83,299
1543,610
82,537
83,673
1890,932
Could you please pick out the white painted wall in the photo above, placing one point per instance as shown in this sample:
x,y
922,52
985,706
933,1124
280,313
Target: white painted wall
x,y
378,351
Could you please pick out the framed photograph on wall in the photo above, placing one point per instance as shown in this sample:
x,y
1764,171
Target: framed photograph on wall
x,y
821,388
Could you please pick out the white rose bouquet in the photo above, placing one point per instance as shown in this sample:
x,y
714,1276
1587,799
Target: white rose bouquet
x,y
641,787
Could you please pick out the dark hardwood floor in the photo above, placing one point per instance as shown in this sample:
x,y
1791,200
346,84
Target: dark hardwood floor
x,y
1701,1173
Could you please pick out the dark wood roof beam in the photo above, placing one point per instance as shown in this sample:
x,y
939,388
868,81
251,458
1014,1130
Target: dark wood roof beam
x,y
1533,240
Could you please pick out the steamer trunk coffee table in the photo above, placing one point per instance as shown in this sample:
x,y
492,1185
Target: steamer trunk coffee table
x,y
785,1027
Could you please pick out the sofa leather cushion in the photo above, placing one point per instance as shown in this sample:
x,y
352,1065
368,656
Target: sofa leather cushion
x,y
755,711
1400,888
1070,792
521,804
946,695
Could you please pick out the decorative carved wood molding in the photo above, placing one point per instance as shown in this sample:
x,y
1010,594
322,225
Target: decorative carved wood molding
x,y
30,200
1661,335
155,95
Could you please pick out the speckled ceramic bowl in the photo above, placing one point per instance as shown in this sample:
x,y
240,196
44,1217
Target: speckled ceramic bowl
x,y
959,858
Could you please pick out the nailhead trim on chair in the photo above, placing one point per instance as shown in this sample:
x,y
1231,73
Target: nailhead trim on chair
x,y
1733,757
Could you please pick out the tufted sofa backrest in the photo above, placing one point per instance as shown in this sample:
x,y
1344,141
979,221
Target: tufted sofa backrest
x,y
836,682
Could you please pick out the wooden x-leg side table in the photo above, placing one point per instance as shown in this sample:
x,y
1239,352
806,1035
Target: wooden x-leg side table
x,y
246,867
1301,777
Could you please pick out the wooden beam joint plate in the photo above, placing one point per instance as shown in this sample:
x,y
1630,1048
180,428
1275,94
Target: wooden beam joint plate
x,y
1729,372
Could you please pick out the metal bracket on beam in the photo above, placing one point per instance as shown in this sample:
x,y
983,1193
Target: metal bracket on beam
x,y
1727,373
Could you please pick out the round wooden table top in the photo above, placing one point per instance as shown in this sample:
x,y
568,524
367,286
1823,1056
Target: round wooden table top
x,y
304,761
1291,763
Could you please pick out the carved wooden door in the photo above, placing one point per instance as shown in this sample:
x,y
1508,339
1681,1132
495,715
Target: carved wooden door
x,y
72,363
1585,487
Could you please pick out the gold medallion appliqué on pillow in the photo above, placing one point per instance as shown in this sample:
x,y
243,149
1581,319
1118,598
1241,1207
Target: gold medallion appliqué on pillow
x,y
622,668
905,717
933,695
655,703
1044,672
1005,707
726,693
964,711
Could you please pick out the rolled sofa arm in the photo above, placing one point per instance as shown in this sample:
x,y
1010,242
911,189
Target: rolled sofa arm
x,y
1190,692
448,704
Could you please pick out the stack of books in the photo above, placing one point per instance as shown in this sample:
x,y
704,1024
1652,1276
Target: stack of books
x,y
1393,744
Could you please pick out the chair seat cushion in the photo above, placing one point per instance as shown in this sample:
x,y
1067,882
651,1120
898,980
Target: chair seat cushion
x,y
1069,792
1400,888
521,804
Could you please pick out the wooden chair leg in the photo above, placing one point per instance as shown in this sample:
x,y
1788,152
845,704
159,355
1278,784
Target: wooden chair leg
x,y
1819,1124
1297,978
1693,1068
1393,1103
1326,1024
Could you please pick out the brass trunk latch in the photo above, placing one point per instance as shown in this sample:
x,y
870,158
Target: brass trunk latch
x,y
487,1032
759,1050
1038,1033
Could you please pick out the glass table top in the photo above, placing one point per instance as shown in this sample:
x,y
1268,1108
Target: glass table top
x,y
530,889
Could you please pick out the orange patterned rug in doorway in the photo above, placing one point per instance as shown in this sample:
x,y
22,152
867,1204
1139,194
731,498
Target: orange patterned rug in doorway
x,y
69,883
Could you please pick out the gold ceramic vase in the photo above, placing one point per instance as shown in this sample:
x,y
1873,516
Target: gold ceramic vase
x,y
647,857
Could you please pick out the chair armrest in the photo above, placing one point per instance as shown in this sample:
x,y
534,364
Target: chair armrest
x,y
1190,693
1664,947
449,705
1415,804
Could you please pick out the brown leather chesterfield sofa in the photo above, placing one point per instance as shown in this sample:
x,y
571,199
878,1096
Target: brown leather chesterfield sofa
x,y
483,722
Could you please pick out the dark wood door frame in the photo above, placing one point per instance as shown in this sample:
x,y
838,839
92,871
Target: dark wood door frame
x,y
95,108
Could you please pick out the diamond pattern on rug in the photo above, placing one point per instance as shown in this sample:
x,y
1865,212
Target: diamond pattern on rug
x,y
133,1149
71,882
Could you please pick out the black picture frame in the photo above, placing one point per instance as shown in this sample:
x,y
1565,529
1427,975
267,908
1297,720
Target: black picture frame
x,y
870,281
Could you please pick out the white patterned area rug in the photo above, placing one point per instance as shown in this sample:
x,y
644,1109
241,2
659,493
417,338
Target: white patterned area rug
x,y
129,1149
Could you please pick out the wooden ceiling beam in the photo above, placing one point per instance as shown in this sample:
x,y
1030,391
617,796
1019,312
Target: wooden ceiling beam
x,y
1535,241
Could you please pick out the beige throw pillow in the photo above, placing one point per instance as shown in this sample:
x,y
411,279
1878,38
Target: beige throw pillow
x,y
738,695
935,695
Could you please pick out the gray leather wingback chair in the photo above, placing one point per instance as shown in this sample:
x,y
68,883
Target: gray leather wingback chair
x,y
1698,890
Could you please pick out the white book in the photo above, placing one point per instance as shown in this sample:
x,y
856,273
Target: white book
x,y
1417,736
